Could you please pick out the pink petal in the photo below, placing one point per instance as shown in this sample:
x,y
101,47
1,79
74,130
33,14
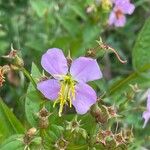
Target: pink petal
x,y
49,88
125,6
146,116
120,22
85,69
130,9
84,99
148,101
54,62
112,18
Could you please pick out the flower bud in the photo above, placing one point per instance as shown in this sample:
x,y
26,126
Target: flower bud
x,y
43,115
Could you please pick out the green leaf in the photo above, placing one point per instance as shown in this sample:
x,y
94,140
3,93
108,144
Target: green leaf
x,y
141,50
9,124
121,86
33,99
79,11
14,142
39,6
32,107
68,24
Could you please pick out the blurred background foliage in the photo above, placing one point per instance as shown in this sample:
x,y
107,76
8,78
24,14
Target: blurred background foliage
x,y
33,26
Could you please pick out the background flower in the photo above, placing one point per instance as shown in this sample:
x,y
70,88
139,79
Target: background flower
x,y
117,16
146,114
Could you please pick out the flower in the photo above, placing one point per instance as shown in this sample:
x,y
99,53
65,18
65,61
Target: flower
x,y
146,114
69,84
117,16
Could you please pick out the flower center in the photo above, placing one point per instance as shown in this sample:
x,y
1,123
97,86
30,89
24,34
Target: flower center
x,y
66,93
119,14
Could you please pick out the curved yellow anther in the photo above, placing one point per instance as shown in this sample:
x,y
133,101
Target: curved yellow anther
x,y
66,93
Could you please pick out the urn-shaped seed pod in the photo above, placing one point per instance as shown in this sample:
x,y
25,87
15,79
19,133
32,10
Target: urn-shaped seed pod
x,y
15,57
29,135
90,53
61,144
119,139
128,134
111,111
101,115
103,135
73,125
43,115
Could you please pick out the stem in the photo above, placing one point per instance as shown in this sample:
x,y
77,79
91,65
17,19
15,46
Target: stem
x,y
132,76
27,74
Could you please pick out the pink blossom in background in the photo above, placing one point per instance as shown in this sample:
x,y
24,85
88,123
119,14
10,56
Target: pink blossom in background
x,y
121,8
146,114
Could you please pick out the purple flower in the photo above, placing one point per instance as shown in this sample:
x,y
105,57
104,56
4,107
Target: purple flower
x,y
146,114
68,85
117,16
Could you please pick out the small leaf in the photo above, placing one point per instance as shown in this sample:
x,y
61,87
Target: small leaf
x,y
14,142
79,11
141,50
9,124
39,6
33,100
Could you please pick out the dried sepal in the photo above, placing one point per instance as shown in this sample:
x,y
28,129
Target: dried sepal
x,y
43,116
103,136
61,144
3,71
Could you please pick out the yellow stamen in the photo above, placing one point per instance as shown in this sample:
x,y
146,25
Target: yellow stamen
x,y
66,93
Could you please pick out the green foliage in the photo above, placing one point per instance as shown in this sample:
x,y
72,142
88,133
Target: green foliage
x,y
33,26
141,50
33,101
9,123
14,142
